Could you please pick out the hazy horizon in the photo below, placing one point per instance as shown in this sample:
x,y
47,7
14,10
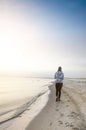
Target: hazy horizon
x,y
37,36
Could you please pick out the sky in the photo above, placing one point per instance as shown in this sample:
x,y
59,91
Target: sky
x,y
37,36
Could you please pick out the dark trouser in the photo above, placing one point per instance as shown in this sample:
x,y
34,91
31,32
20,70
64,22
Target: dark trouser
x,y
58,89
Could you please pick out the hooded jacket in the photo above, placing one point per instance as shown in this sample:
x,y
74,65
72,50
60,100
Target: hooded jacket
x,y
59,76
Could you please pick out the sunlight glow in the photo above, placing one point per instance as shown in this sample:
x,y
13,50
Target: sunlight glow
x,y
33,39
20,47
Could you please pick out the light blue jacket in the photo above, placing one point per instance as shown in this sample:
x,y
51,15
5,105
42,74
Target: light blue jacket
x,y
59,76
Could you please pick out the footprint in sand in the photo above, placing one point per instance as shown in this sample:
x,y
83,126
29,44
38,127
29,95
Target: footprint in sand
x,y
76,129
60,122
62,114
28,109
67,105
68,100
69,124
74,115
50,123
19,116
57,109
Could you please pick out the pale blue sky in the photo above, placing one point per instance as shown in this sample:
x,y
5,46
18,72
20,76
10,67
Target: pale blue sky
x,y
40,35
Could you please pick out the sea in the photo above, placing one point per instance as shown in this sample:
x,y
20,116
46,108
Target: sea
x,y
17,93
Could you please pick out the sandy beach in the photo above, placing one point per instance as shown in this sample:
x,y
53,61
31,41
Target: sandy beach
x,y
67,114
42,44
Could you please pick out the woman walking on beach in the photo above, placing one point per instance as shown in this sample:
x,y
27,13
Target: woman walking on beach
x,y
59,76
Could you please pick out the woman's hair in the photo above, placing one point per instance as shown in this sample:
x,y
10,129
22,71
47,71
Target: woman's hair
x,y
59,68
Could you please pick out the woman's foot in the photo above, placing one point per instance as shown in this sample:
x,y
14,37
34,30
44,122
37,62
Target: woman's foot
x,y
59,99
56,99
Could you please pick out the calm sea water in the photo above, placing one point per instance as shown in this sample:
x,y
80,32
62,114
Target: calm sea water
x,y
17,93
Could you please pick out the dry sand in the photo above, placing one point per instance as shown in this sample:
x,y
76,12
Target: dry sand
x,y
67,114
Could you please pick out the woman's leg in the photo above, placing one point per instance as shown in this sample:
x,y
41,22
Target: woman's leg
x,y
60,88
56,89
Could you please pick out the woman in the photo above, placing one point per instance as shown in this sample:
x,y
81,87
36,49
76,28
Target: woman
x,y
59,76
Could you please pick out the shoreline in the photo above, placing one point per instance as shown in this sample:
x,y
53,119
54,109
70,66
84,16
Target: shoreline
x,y
62,115
22,120
47,114
42,113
